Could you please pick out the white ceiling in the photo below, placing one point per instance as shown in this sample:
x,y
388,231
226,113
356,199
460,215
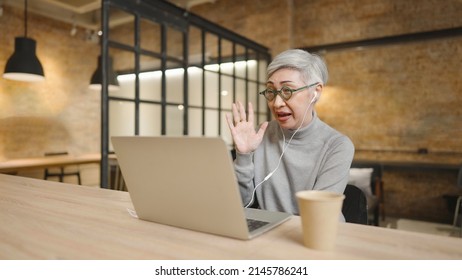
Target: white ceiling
x,y
82,13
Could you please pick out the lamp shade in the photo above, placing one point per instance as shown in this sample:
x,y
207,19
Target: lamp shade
x,y
97,77
24,65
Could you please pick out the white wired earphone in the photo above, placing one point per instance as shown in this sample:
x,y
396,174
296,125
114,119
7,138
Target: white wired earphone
x,y
284,147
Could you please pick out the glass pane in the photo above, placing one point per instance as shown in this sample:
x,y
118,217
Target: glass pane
x,y
211,123
175,79
150,119
240,91
211,48
226,92
195,86
123,65
195,46
211,88
174,43
226,50
241,69
227,68
174,120
253,94
212,68
262,71
252,69
121,118
122,26
240,61
150,85
150,36
149,63
195,122
126,86
150,79
227,57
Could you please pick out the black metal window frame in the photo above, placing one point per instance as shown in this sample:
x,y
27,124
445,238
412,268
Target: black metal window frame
x,y
168,15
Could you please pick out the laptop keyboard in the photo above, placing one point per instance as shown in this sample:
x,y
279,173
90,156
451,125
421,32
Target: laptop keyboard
x,y
255,224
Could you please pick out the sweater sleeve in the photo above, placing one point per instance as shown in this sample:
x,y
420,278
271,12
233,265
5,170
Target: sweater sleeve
x,y
244,168
333,173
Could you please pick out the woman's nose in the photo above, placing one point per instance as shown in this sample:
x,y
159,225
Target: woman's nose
x,y
278,101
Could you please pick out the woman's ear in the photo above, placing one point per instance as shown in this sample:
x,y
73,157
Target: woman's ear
x,y
317,92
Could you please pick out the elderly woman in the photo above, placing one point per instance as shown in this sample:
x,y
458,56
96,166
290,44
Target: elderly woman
x,y
295,151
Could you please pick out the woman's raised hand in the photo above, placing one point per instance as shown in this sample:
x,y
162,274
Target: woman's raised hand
x,y
246,138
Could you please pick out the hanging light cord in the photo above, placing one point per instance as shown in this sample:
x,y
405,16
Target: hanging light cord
x,y
25,18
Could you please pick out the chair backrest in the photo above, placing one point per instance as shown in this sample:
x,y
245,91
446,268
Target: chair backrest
x,y
55,171
62,171
354,207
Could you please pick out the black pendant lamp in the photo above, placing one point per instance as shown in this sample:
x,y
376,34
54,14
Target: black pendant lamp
x,y
24,65
97,77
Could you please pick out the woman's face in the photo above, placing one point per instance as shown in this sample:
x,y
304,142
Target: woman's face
x,y
290,113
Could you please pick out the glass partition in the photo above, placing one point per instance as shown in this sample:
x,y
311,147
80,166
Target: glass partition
x,y
178,74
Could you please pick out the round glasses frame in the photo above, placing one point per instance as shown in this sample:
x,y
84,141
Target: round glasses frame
x,y
285,92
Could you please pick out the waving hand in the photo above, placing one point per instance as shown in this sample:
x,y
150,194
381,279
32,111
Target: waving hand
x,y
242,128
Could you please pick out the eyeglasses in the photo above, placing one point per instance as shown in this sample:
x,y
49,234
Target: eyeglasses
x,y
285,92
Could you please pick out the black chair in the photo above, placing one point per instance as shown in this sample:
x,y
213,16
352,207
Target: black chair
x,y
354,207
454,201
62,172
376,209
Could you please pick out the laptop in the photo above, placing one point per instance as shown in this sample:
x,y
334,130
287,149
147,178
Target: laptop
x,y
188,182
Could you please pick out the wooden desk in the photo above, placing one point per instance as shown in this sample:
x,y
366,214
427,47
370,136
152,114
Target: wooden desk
x,y
50,220
15,165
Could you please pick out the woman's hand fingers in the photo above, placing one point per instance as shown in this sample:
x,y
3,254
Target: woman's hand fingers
x,y
242,128
236,115
242,114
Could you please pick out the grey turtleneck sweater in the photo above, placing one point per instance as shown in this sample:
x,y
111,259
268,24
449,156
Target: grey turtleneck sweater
x,y
317,158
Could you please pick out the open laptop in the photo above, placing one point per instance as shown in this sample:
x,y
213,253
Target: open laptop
x,y
188,182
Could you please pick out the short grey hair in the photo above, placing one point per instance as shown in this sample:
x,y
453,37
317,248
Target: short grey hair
x,y
311,66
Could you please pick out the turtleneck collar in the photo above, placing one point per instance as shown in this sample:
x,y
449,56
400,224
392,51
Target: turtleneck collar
x,y
304,131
